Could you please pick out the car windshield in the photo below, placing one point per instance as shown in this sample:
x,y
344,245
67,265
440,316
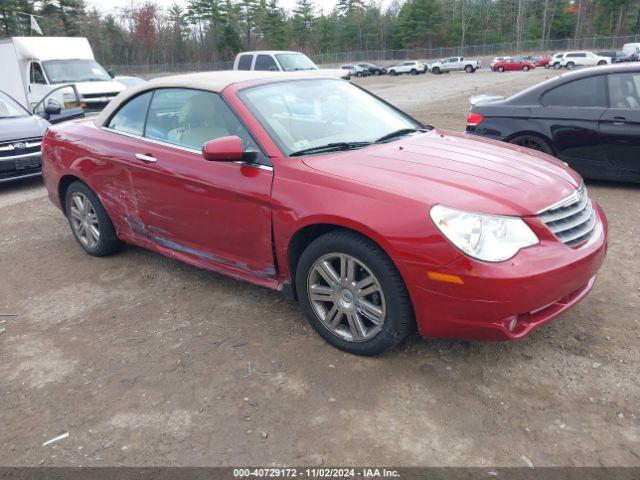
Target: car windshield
x,y
9,108
67,71
295,61
304,114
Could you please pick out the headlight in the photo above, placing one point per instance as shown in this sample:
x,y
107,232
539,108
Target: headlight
x,y
491,238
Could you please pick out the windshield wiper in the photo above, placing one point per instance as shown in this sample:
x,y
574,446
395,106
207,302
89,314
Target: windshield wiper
x,y
330,147
399,133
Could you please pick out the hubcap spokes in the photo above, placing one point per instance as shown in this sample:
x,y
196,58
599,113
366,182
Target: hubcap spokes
x,y
84,220
347,297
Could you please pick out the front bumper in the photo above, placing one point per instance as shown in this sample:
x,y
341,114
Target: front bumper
x,y
506,300
18,167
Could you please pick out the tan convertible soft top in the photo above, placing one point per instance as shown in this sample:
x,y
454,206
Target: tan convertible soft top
x,y
212,81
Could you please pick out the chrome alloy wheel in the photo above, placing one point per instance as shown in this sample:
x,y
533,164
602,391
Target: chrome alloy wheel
x,y
347,297
84,220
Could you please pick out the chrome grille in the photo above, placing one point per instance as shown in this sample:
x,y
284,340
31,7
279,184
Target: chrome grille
x,y
571,220
17,148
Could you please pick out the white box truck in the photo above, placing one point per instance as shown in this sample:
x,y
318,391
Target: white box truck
x,y
33,66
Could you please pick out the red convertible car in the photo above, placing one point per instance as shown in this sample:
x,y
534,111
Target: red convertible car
x,y
374,222
513,64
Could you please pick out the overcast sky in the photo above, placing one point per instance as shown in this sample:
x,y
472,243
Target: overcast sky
x,y
108,6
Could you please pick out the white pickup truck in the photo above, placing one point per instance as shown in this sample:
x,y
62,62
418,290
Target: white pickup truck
x,y
454,64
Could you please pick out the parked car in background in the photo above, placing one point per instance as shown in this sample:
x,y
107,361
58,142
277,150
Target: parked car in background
x,y
543,62
21,133
411,67
273,61
556,59
373,69
496,60
34,66
374,222
616,56
589,119
355,70
513,64
130,81
582,59
455,64
632,50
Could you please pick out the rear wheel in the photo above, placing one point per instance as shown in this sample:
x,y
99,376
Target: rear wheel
x,y
89,221
570,65
533,142
352,294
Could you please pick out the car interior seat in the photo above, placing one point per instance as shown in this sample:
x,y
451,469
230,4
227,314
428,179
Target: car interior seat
x,y
199,122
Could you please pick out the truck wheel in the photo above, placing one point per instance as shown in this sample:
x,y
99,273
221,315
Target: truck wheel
x,y
436,70
501,69
352,294
89,221
468,69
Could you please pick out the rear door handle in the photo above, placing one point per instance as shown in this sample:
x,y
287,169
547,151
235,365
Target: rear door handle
x,y
145,158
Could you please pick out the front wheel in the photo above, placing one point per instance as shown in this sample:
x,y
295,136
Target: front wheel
x,y
358,74
501,69
525,68
436,70
468,69
393,73
602,62
89,221
414,71
533,142
352,294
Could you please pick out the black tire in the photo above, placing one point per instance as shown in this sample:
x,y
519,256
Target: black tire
x,y
533,142
468,69
414,71
393,73
376,72
108,242
570,65
525,68
358,74
602,62
399,319
436,70
501,69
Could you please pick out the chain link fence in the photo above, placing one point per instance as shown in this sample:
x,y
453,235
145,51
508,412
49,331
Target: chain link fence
x,y
389,56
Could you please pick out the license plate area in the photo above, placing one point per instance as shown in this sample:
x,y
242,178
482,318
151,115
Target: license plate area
x,y
27,163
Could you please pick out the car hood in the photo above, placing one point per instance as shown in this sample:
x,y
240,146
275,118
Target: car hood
x,y
90,88
22,127
457,170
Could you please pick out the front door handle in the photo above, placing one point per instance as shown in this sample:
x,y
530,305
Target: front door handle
x,y
145,158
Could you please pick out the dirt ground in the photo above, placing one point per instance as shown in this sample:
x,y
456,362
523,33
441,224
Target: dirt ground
x,y
147,361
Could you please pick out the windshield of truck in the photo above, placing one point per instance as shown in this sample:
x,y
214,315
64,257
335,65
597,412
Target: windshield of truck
x,y
295,61
9,108
70,71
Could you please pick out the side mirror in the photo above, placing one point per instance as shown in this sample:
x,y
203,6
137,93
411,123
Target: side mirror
x,y
52,108
111,73
224,149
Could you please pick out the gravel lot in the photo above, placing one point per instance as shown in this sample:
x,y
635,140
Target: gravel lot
x,y
147,361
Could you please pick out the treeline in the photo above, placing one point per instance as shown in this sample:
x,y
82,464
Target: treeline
x,y
215,30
